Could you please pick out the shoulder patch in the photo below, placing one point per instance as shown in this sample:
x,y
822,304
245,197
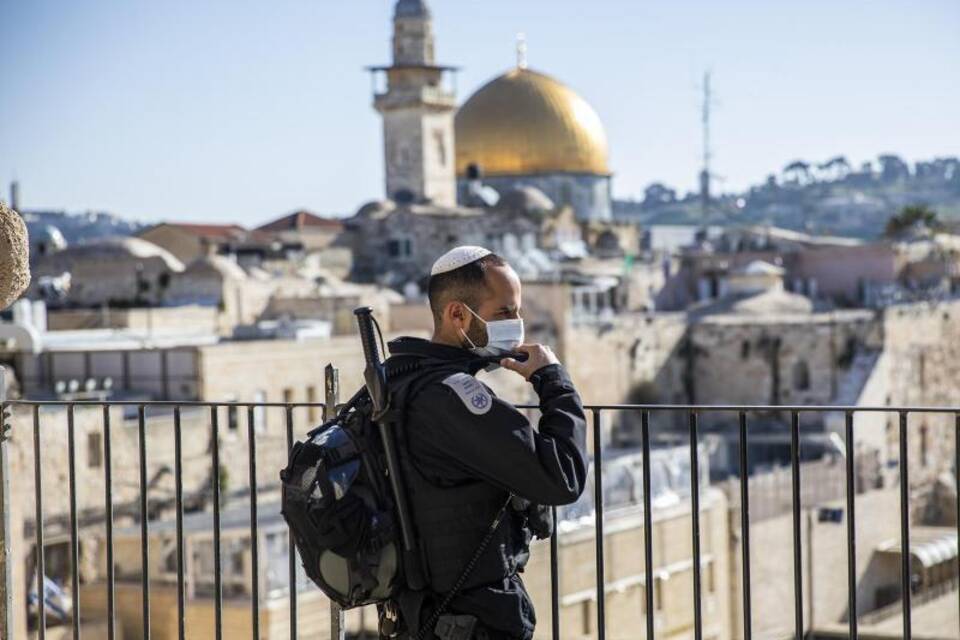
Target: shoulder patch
x,y
471,392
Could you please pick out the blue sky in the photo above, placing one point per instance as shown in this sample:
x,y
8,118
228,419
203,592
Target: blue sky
x,y
239,111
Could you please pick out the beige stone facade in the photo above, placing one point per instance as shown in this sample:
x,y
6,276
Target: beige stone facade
x,y
191,241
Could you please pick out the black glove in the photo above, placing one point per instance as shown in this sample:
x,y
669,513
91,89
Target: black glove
x,y
538,517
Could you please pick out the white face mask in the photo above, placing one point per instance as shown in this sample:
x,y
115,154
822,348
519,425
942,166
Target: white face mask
x,y
503,336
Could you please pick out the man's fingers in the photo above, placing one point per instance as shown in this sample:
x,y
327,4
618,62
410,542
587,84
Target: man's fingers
x,y
515,366
509,363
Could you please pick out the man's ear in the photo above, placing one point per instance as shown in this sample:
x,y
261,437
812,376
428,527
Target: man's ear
x,y
457,315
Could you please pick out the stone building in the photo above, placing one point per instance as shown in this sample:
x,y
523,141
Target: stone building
x,y
838,271
188,241
113,271
303,228
396,244
217,281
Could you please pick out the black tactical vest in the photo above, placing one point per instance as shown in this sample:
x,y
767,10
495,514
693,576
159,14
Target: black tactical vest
x,y
452,518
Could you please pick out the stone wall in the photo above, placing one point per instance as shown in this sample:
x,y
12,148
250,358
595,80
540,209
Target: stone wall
x,y
608,360
774,359
923,342
194,317
823,564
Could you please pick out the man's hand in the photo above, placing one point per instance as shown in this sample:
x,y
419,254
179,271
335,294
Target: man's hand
x,y
538,356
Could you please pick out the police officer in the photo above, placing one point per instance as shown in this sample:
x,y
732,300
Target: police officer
x,y
468,452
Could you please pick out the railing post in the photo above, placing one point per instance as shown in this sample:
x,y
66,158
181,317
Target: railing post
x,y
6,566
331,385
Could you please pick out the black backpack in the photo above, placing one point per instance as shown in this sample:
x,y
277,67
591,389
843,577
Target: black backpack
x,y
338,503
339,508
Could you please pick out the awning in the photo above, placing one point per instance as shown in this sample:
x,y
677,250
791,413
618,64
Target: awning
x,y
930,548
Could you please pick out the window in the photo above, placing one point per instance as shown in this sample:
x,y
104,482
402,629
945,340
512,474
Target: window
x,y
921,370
658,593
312,397
287,395
924,445
94,450
441,147
745,350
801,375
401,247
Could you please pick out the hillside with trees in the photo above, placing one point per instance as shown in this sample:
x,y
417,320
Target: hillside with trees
x,y
828,197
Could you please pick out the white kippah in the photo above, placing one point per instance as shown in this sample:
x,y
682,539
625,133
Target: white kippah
x,y
457,257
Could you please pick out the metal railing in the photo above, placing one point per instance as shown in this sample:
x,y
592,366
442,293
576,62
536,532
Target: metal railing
x,y
692,415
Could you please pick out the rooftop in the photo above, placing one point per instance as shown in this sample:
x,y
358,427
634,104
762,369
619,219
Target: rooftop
x,y
300,220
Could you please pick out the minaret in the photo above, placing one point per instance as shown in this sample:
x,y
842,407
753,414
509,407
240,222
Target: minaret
x,y
15,196
417,113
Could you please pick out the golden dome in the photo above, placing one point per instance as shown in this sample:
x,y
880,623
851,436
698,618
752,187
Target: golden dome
x,y
526,123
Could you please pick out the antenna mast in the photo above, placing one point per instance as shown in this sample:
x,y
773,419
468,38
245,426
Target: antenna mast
x,y
707,154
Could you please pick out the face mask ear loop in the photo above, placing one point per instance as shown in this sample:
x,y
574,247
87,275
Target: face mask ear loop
x,y
472,346
464,334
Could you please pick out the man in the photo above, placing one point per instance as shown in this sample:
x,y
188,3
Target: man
x,y
468,451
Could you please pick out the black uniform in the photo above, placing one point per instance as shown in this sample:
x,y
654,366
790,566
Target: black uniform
x,y
465,451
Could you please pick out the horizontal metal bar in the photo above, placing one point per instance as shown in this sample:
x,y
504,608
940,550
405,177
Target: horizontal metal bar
x,y
168,403
812,408
816,408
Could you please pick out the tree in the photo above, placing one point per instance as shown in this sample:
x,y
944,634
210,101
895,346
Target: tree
x,y
657,194
797,172
893,168
910,217
835,168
